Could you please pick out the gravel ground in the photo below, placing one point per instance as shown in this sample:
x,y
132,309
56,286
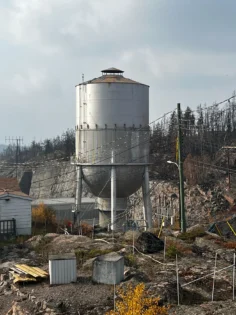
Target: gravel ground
x,y
6,303
86,298
211,308
82,297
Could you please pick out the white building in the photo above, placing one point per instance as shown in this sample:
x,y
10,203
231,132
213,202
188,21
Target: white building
x,y
14,204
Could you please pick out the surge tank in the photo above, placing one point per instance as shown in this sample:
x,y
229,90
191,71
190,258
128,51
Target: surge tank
x,y
112,116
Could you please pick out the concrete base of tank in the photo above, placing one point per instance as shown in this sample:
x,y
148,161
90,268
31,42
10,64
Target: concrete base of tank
x,y
104,207
105,218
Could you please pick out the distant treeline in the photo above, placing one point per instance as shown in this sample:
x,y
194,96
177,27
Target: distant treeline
x,y
205,131
58,147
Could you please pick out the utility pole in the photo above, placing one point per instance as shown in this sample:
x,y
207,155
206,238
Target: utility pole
x,y
177,161
18,141
181,177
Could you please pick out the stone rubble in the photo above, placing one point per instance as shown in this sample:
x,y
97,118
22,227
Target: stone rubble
x,y
196,260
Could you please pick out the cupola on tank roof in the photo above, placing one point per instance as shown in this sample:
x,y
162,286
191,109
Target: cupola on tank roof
x,y
112,70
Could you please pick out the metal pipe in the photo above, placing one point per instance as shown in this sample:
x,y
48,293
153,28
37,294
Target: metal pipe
x,y
144,207
78,195
113,194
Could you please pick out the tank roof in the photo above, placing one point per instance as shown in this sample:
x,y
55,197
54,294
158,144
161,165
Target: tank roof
x,y
111,75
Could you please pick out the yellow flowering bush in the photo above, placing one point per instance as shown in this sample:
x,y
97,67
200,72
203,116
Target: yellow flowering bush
x,y
135,301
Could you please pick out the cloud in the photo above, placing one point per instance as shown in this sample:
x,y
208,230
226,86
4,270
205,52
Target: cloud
x,y
69,26
183,49
164,65
33,80
57,26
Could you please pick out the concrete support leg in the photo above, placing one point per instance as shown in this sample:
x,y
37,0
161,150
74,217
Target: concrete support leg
x,y
144,207
113,198
104,206
78,195
146,198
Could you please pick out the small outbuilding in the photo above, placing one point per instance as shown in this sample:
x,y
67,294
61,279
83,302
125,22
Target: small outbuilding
x,y
62,268
15,209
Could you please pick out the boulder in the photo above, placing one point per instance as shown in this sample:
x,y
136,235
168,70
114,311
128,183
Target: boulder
x,y
34,241
89,263
196,229
149,243
166,290
130,235
135,276
213,235
206,244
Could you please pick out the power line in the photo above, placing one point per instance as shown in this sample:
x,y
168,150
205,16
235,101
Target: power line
x,y
214,105
119,138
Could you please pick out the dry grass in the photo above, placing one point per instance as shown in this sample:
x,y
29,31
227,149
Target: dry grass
x,y
190,236
225,244
176,226
86,229
230,245
175,247
211,237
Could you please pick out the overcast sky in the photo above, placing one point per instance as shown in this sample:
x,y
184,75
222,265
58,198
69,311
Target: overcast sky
x,y
183,49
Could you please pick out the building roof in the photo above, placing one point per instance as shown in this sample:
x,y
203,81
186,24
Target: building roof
x,y
111,75
10,186
56,201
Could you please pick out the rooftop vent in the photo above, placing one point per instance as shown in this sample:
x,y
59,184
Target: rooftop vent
x,y
112,71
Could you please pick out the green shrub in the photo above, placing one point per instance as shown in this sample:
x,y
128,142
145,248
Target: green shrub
x,y
190,236
130,260
172,251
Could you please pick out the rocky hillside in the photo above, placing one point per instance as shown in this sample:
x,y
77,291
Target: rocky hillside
x,y
47,180
58,179
196,252
202,205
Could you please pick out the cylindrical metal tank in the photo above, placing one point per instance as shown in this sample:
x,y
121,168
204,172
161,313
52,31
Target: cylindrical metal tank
x,y
112,116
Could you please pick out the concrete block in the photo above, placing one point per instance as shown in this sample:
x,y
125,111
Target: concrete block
x,y
108,269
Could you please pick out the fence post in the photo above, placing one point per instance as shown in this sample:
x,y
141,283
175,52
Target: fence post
x,y
133,242
233,276
165,249
114,295
177,279
213,284
14,226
